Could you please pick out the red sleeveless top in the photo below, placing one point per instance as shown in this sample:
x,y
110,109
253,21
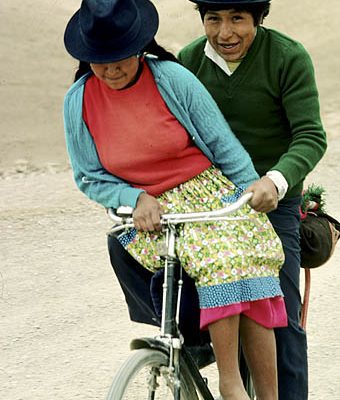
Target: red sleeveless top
x,y
137,138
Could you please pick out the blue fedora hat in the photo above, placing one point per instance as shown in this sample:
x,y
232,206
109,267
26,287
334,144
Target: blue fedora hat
x,y
104,31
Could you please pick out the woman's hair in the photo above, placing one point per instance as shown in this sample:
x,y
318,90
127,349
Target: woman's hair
x,y
155,49
152,48
258,10
83,68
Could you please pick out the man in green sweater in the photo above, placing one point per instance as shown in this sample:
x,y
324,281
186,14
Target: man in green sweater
x,y
263,82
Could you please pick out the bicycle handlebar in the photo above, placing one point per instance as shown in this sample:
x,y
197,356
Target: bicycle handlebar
x,y
122,217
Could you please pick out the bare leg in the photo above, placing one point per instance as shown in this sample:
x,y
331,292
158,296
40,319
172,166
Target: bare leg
x,y
260,352
224,335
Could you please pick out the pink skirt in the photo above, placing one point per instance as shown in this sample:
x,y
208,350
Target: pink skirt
x,y
270,313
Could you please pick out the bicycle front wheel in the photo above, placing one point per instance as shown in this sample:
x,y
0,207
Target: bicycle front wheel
x,y
145,375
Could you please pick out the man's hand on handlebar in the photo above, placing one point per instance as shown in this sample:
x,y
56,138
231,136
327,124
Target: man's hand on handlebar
x,y
147,214
265,196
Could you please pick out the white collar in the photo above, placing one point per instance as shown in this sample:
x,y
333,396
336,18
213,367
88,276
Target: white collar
x,y
216,58
211,53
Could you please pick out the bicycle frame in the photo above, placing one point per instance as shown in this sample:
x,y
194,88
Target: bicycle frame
x,y
170,340
170,321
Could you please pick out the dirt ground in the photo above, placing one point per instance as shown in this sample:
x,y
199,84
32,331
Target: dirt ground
x,y
64,328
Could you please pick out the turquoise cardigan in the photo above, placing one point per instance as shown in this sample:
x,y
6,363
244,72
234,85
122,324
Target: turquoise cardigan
x,y
194,108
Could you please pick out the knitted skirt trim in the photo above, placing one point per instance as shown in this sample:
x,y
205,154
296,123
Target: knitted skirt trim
x,y
230,261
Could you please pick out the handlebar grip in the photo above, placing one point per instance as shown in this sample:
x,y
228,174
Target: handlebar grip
x,y
124,211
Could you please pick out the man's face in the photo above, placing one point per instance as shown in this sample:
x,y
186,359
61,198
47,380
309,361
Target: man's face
x,y
230,32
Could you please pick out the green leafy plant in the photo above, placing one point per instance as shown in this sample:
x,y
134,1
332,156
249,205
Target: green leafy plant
x,y
313,198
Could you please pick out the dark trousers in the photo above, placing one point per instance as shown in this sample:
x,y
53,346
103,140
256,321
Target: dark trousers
x,y
143,294
140,289
291,342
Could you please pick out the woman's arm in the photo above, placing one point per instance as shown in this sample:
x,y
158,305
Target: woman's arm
x,y
200,115
214,131
90,176
233,159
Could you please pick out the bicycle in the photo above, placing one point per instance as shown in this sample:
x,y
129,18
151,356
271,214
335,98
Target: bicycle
x,y
162,367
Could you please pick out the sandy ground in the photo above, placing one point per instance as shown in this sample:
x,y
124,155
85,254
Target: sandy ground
x,y
64,328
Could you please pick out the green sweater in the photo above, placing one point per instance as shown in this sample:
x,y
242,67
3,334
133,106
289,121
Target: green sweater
x,y
271,103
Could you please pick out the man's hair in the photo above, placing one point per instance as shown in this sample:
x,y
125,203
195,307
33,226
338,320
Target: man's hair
x,y
258,10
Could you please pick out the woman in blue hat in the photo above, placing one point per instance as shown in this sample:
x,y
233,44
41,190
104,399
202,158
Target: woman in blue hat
x,y
264,84
142,131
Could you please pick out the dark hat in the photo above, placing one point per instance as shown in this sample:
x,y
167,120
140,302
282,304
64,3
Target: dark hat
x,y
227,2
103,31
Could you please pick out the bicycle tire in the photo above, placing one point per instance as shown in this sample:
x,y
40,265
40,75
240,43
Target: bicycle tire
x,y
144,375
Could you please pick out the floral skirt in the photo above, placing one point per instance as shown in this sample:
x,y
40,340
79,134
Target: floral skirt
x,y
230,261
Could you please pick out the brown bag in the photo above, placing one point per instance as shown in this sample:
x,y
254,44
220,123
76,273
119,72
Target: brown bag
x,y
319,233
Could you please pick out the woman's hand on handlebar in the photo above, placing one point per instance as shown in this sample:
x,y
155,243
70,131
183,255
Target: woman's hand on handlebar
x,y
147,214
265,196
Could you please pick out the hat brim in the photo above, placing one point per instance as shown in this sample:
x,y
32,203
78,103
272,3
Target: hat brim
x,y
78,49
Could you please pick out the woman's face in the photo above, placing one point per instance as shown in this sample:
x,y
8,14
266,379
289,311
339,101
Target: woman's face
x,y
117,75
230,32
